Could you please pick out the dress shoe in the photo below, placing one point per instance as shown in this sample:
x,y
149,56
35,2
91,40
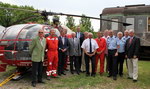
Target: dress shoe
x,y
48,78
41,82
78,73
129,78
72,72
93,75
63,73
34,84
134,80
87,75
55,77
59,74
114,78
66,70
109,76
121,75
101,74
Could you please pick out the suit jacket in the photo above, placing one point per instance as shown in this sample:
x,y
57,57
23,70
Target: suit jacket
x,y
81,37
37,49
61,45
132,49
74,47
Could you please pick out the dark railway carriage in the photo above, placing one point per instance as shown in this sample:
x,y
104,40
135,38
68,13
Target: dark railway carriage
x,y
137,15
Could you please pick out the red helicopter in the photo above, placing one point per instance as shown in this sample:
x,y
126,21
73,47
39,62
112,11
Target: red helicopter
x,y
15,40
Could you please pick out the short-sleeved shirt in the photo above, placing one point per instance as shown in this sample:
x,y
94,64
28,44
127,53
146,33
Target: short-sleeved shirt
x,y
112,43
121,43
125,38
86,45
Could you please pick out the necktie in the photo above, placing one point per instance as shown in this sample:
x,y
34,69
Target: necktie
x,y
63,40
130,41
73,42
90,46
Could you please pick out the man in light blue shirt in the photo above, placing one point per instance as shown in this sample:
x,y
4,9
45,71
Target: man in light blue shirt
x,y
126,35
112,55
121,53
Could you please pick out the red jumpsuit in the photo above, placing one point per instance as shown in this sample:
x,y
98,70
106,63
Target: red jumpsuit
x,y
52,55
102,46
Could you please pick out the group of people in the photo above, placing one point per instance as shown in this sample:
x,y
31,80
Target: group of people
x,y
82,50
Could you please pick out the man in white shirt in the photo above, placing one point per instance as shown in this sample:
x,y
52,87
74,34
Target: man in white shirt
x,y
89,47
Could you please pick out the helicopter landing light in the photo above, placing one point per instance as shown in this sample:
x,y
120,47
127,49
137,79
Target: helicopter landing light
x,y
14,52
1,54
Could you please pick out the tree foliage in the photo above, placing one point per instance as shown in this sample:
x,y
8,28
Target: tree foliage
x,y
85,24
70,22
9,17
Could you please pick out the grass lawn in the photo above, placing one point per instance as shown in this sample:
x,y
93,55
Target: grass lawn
x,y
70,81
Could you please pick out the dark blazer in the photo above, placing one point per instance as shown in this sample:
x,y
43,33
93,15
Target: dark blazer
x,y
61,45
133,48
81,37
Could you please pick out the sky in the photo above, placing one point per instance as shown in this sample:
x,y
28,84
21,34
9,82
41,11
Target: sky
x,y
88,7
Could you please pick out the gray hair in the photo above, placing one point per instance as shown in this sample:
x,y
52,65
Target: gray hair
x,y
90,33
126,31
73,33
131,30
119,33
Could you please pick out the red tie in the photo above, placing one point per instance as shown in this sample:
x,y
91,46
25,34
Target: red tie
x,y
130,41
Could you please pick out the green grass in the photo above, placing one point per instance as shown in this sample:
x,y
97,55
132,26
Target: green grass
x,y
99,82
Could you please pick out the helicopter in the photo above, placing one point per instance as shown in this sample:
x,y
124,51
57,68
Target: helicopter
x,y
15,39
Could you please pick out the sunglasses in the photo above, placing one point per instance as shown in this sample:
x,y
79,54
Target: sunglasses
x,y
40,32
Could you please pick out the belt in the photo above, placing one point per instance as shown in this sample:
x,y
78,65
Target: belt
x,y
112,49
90,53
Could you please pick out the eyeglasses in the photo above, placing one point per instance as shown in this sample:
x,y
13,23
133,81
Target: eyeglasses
x,y
40,32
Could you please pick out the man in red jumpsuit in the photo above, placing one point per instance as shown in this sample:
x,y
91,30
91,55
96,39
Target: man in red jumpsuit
x,y
100,52
52,54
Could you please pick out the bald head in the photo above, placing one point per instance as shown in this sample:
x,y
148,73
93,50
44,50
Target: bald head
x,y
110,33
99,34
73,34
119,35
90,35
131,32
85,34
126,33
52,32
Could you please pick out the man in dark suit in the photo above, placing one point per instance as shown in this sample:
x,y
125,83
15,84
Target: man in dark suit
x,y
62,47
80,35
132,47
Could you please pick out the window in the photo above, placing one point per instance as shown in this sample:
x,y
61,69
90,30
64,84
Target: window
x,y
148,24
114,25
131,21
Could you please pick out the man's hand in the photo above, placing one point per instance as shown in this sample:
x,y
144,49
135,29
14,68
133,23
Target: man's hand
x,y
126,56
65,50
134,56
116,54
99,52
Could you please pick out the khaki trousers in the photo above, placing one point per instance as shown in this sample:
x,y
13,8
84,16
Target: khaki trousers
x,y
132,64
83,61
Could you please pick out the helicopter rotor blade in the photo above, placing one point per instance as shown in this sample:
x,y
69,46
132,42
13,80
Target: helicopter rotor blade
x,y
46,14
27,18
53,13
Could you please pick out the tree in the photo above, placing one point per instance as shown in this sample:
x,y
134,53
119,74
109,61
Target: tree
x,y
11,17
70,22
85,24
